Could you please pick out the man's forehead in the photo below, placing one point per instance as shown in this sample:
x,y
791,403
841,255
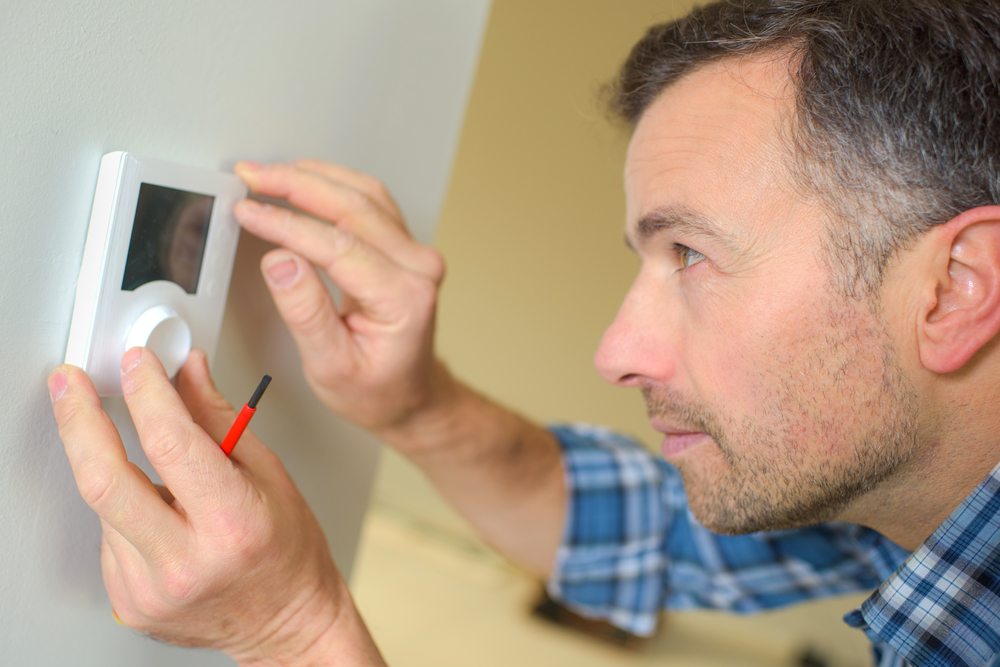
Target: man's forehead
x,y
716,130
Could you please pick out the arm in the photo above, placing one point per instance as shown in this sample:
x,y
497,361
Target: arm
x,y
633,548
503,473
227,555
370,357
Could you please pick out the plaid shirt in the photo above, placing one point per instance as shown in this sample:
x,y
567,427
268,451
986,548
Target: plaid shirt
x,y
632,548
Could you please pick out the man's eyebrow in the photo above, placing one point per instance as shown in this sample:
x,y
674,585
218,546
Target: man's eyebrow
x,y
678,219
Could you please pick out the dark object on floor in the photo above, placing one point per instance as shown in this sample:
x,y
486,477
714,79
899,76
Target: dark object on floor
x,y
810,658
552,611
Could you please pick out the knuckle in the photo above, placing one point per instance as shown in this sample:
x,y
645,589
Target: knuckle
x,y
149,603
97,485
281,172
212,409
161,598
306,163
69,412
163,442
218,403
432,264
357,202
341,241
376,189
239,539
367,180
179,586
308,315
282,217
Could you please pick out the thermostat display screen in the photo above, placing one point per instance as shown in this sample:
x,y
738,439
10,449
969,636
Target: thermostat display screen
x,y
168,237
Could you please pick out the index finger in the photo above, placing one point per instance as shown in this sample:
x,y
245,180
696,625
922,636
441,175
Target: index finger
x,y
118,491
190,463
336,202
369,185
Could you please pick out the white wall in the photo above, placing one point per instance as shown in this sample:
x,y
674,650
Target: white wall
x,y
377,84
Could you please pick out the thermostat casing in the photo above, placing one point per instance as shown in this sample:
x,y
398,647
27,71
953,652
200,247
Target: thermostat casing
x,y
156,265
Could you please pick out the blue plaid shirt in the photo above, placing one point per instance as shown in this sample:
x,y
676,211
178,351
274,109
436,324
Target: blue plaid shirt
x,y
632,548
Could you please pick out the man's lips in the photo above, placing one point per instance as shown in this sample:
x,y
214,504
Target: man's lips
x,y
677,439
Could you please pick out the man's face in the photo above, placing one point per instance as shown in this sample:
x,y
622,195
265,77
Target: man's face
x,y
781,402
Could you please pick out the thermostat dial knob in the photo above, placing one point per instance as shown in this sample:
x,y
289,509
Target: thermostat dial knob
x,y
163,331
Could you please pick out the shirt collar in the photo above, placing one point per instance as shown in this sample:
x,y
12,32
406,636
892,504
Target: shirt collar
x,y
942,606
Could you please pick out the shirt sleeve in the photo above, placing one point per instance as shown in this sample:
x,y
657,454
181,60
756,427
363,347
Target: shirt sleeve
x,y
631,547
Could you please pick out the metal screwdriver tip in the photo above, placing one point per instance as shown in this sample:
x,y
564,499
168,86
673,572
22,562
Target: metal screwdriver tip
x,y
259,391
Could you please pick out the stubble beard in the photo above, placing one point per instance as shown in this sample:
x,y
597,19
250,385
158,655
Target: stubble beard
x,y
761,476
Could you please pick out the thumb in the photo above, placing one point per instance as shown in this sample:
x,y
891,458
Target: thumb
x,y
307,308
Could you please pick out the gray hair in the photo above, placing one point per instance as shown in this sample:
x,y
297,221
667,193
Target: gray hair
x,y
897,113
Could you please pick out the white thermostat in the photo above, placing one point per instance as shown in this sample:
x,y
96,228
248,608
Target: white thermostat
x,y
156,265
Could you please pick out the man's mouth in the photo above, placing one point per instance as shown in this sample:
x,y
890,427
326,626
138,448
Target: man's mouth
x,y
677,438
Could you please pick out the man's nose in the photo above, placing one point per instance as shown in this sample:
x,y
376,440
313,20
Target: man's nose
x,y
637,349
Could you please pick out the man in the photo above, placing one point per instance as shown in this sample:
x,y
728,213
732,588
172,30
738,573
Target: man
x,y
812,188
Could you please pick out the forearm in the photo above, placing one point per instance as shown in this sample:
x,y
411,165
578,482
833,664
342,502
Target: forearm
x,y
502,472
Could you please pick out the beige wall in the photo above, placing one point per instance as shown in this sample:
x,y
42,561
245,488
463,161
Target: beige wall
x,y
533,221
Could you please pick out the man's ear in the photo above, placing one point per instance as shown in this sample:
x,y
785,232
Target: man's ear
x,y
965,313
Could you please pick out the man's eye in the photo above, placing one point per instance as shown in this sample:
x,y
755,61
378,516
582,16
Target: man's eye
x,y
687,256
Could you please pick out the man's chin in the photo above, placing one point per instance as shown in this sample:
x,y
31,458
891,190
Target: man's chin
x,y
731,517
716,522
717,508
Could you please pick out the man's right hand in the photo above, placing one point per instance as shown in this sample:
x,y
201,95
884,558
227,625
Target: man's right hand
x,y
370,358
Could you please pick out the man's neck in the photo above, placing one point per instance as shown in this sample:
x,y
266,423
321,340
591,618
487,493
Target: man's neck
x,y
909,507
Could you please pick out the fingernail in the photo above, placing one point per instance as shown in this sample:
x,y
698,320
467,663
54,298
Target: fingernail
x,y
131,359
248,165
57,385
283,274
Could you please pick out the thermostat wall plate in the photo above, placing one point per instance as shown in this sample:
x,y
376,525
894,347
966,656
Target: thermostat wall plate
x,y
156,265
